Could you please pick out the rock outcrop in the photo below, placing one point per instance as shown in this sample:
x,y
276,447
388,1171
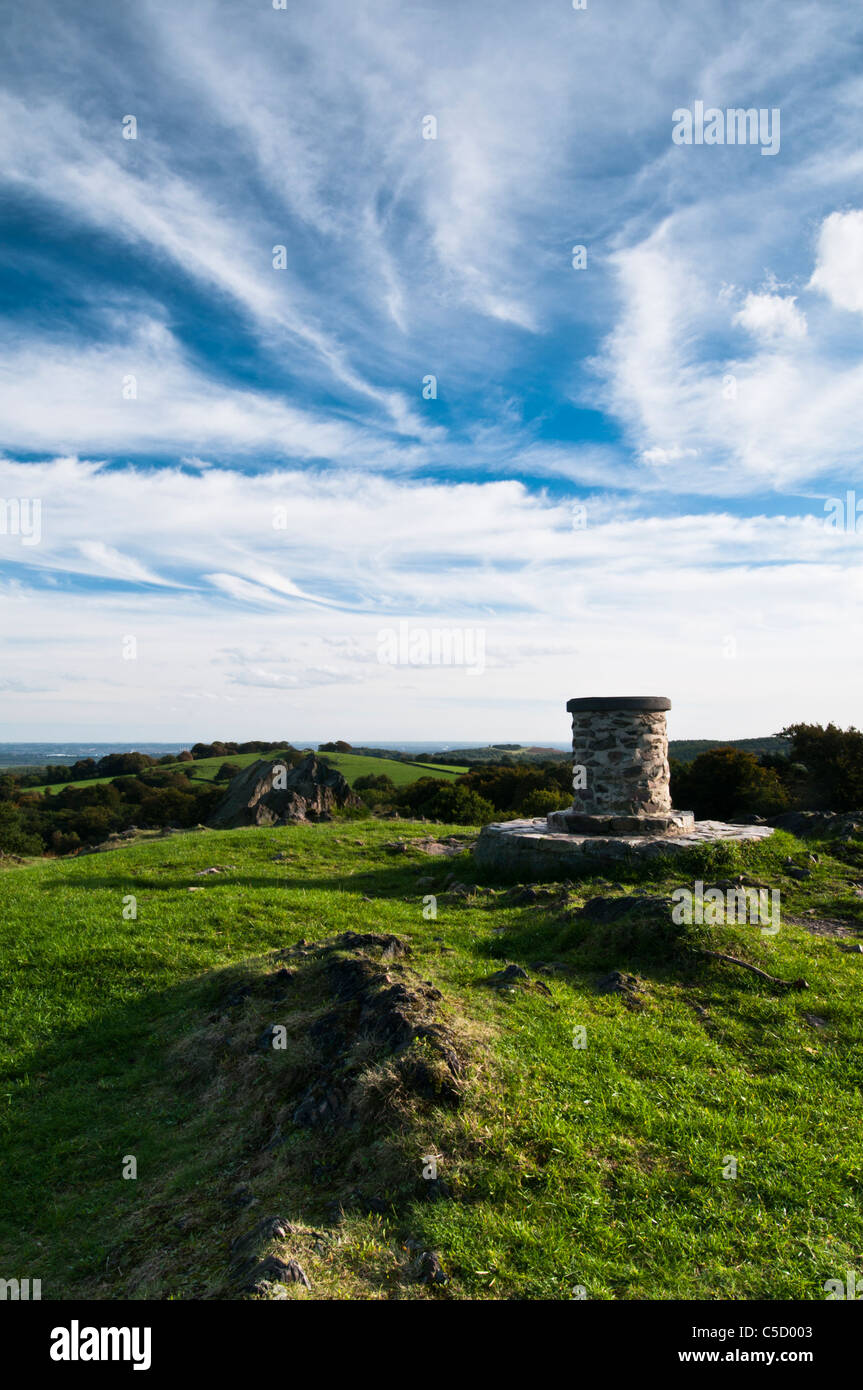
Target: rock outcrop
x,y
271,793
821,824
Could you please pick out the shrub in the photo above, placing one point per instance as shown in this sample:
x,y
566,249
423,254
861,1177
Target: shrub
x,y
455,804
832,758
65,842
541,801
94,822
15,837
375,782
509,789
117,764
722,782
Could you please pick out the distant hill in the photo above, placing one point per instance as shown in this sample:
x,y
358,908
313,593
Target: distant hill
x,y
488,753
685,749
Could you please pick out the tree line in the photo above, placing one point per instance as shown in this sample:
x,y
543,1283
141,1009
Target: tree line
x,y
820,769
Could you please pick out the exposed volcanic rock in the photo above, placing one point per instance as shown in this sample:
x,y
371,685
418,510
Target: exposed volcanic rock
x,y
323,1068
271,793
379,1013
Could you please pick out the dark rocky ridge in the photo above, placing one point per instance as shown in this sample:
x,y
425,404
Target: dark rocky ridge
x,y
271,793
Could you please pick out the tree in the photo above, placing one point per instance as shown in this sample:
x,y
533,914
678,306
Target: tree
x,y
15,838
458,805
723,782
63,842
543,800
117,764
832,760
93,822
375,782
453,802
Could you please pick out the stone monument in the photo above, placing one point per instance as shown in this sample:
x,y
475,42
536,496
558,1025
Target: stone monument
x,y
620,773
622,803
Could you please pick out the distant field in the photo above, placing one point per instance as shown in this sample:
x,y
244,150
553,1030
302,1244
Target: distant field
x,y
350,765
354,765
203,770
490,753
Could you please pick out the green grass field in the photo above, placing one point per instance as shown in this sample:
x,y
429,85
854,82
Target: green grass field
x,y
350,765
600,1167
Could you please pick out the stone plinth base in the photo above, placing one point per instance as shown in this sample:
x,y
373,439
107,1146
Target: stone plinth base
x,y
529,848
577,823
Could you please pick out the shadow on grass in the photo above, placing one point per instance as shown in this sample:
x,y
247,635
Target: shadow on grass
x,y
178,1079
77,1105
400,877
387,882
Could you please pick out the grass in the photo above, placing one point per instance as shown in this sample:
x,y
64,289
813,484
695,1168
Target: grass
x,y
599,1167
350,765
354,765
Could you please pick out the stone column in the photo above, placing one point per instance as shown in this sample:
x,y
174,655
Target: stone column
x,y
620,772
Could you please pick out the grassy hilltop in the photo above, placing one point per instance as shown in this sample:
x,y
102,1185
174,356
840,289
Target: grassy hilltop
x,y
559,1167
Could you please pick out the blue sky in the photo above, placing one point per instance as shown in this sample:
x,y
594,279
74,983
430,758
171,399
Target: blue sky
x,y
621,481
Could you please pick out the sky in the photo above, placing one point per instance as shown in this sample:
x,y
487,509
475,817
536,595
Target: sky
x,y
314,422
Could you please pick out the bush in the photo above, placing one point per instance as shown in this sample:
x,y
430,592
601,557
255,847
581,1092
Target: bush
x,y
723,782
541,801
374,782
117,764
94,822
455,804
63,842
832,774
15,837
227,771
374,799
510,789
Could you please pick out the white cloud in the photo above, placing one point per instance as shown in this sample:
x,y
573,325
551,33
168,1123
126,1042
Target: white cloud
x,y
561,609
108,561
53,397
53,154
772,316
772,414
675,454
839,266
